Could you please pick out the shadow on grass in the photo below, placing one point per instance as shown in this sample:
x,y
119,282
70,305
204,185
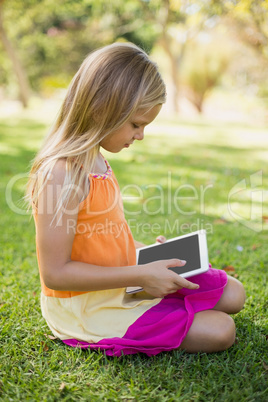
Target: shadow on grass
x,y
220,167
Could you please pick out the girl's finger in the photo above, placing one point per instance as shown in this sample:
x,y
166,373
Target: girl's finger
x,y
187,284
161,239
174,262
179,280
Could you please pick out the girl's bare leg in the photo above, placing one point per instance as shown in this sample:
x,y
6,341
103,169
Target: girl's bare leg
x,y
214,330
211,331
233,297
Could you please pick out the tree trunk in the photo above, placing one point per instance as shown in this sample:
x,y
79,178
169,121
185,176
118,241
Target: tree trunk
x,y
164,18
196,99
18,69
174,70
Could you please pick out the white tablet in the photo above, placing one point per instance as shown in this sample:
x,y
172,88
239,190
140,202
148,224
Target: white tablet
x,y
191,247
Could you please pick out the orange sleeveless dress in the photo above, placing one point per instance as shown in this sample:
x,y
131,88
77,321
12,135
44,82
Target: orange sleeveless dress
x,y
102,238
112,320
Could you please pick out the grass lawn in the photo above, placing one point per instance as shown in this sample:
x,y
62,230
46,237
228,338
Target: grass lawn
x,y
201,163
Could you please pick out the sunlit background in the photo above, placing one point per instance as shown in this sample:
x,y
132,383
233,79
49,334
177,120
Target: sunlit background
x,y
213,54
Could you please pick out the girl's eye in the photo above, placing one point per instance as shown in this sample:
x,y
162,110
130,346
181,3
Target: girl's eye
x,y
135,125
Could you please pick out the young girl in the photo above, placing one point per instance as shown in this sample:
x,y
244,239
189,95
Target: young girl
x,y
86,252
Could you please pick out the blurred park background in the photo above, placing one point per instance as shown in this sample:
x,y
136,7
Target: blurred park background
x,y
213,54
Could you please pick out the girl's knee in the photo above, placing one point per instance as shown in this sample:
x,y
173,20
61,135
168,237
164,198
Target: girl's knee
x,y
233,298
226,333
239,296
211,331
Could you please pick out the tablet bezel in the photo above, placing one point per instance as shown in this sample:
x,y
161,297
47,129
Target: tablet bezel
x,y
203,252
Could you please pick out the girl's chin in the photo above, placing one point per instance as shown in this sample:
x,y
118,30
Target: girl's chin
x,y
114,150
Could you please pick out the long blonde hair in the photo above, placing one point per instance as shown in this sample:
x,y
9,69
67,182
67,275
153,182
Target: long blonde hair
x,y
112,83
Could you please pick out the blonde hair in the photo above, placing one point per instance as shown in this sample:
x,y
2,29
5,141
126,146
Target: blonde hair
x,y
112,83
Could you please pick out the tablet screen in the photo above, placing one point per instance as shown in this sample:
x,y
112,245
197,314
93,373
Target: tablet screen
x,y
184,249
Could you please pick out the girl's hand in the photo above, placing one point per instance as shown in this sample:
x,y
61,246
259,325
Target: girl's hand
x,y
161,239
159,281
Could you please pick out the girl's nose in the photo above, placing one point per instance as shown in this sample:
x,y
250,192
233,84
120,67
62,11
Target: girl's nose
x,y
140,135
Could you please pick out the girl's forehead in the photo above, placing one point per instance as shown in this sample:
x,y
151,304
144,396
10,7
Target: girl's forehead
x,y
146,116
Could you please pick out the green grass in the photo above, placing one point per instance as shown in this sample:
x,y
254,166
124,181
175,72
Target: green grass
x,y
35,367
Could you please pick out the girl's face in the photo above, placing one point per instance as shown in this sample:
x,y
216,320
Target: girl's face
x,y
132,130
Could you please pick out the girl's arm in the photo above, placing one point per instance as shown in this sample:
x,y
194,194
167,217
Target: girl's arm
x,y
138,244
159,239
59,272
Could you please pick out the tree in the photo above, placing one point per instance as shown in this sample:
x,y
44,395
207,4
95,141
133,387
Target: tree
x,y
178,23
249,20
53,38
17,66
247,23
51,33
202,71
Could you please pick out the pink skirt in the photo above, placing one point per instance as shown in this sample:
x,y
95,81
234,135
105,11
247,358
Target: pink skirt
x,y
164,326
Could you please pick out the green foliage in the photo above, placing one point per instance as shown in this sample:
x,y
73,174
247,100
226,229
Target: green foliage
x,y
250,18
52,38
37,368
